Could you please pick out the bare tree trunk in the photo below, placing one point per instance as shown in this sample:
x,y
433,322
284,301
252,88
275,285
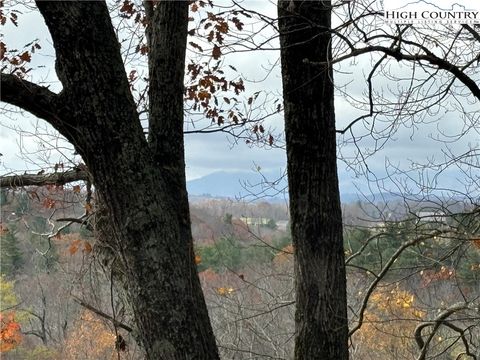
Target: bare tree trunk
x,y
141,182
321,316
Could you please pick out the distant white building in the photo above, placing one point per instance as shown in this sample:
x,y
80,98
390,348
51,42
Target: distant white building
x,y
282,225
431,216
255,221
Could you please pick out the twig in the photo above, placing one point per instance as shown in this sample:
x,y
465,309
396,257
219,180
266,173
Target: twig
x,y
102,314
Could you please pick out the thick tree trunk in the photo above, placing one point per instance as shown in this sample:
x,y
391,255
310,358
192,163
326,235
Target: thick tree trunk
x,y
321,316
142,183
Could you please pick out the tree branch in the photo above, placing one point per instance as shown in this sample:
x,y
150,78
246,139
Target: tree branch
x,y
28,96
58,178
472,31
441,319
429,57
102,314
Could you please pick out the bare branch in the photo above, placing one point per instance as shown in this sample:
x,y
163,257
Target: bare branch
x,y
441,319
58,178
102,314
429,57
472,31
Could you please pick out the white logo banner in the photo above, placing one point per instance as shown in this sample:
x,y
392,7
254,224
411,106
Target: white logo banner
x,y
435,11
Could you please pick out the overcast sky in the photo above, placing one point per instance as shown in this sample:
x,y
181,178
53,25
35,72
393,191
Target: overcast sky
x,y
214,152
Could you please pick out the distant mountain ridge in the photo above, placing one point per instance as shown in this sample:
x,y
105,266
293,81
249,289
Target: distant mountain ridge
x,y
234,184
245,184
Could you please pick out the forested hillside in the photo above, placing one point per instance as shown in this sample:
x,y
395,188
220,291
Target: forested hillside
x,y
53,291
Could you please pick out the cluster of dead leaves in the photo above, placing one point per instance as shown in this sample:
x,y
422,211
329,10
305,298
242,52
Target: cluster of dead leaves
x,y
3,229
15,61
429,276
78,244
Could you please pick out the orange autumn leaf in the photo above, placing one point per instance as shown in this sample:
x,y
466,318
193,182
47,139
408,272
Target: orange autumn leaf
x,y
48,203
76,189
74,246
3,229
87,247
198,259
10,335
476,242
88,208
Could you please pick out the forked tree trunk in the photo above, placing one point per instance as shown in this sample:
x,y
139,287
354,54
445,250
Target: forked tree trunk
x,y
141,182
321,316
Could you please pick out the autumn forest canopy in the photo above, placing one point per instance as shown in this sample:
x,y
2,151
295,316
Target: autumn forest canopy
x,y
356,237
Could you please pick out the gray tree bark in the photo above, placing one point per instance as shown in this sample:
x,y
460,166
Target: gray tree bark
x,y
316,219
142,182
